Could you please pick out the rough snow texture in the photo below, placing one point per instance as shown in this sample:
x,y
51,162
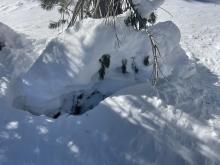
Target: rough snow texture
x,y
17,52
200,36
72,61
175,123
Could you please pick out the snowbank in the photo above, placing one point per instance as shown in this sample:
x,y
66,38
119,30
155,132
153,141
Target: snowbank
x,y
16,55
135,126
176,124
71,61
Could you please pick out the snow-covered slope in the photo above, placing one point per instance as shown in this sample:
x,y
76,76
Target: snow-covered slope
x,y
26,16
200,29
138,125
175,123
17,53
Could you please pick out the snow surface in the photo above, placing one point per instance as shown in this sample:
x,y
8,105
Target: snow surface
x,y
175,123
75,58
16,53
200,29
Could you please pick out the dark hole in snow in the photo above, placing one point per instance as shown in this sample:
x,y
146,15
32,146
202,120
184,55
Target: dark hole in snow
x,y
2,45
55,116
73,103
86,101
77,103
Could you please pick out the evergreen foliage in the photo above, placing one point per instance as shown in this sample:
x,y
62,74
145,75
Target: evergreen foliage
x,y
124,66
73,10
55,116
102,72
2,45
105,59
105,63
146,61
77,109
152,18
54,25
134,66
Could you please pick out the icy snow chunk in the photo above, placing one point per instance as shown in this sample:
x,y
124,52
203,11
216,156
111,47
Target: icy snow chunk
x,y
42,130
17,136
12,125
73,148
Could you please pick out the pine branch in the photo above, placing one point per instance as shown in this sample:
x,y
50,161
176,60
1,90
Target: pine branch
x,y
55,25
48,4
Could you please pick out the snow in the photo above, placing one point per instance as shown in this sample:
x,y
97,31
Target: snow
x,y
199,29
27,17
145,7
176,122
75,58
16,53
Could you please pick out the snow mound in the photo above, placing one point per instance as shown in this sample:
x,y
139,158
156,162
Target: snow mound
x,y
16,52
71,61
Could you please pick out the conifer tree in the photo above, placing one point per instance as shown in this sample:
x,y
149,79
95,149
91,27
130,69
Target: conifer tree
x,y
80,9
73,10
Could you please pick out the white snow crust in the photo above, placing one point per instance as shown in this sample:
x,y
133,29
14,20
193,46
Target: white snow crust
x,y
177,122
71,62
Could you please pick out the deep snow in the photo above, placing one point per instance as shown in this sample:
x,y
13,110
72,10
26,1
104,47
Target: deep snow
x,y
175,123
71,63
